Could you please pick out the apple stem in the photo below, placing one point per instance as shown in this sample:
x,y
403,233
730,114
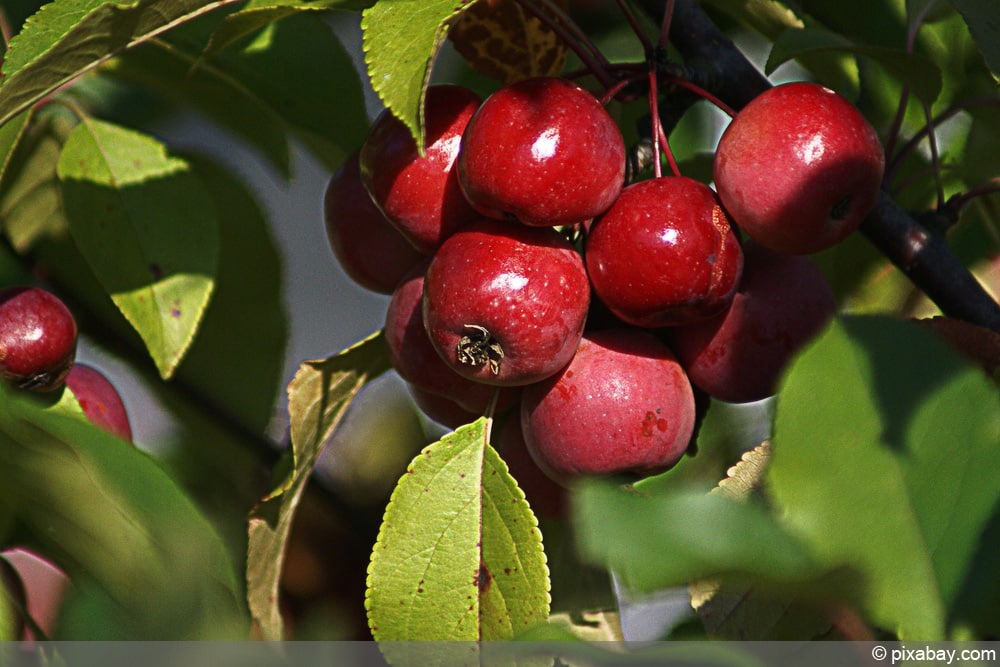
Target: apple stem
x,y
953,206
668,15
571,34
660,143
700,92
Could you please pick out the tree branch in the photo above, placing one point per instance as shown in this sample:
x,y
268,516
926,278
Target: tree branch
x,y
925,257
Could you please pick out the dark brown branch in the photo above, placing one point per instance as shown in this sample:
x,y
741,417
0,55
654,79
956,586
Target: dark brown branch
x,y
926,258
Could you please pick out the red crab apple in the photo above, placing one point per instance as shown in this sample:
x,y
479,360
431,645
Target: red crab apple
x,y
37,338
369,249
543,151
622,406
799,168
100,401
506,304
420,195
664,254
414,358
783,302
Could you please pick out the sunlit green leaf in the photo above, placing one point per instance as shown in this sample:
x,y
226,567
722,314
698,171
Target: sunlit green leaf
x,y
459,555
109,516
885,450
401,39
916,71
69,37
147,229
318,397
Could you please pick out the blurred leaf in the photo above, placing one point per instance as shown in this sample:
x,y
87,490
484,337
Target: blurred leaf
x,y
459,555
146,226
241,372
984,24
735,610
318,397
768,17
400,40
108,515
256,14
30,201
916,71
682,534
66,38
500,39
10,136
885,450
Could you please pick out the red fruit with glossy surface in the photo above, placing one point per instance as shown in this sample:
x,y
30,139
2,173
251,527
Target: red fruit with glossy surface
x,y
784,301
369,249
799,168
664,254
548,499
506,304
420,195
100,401
623,405
415,359
37,338
543,151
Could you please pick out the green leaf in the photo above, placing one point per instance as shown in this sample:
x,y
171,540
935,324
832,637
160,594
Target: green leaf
x,y
984,24
768,17
257,14
147,229
682,534
299,68
318,397
914,70
885,449
67,38
180,72
400,40
248,297
10,136
459,554
30,201
109,516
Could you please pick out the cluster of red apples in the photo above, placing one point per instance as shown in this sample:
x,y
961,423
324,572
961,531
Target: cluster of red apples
x,y
526,275
38,340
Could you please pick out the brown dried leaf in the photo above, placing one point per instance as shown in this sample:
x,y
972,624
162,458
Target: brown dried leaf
x,y
502,41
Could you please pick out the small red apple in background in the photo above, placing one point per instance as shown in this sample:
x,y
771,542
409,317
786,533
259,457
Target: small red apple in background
x,y
369,249
37,338
420,195
622,406
548,500
45,586
799,168
100,401
543,151
738,356
505,304
664,254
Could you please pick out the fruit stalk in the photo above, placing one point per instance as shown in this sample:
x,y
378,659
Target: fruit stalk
x,y
926,258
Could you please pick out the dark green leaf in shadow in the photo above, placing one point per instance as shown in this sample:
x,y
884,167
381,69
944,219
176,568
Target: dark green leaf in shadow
x,y
916,71
240,372
984,24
